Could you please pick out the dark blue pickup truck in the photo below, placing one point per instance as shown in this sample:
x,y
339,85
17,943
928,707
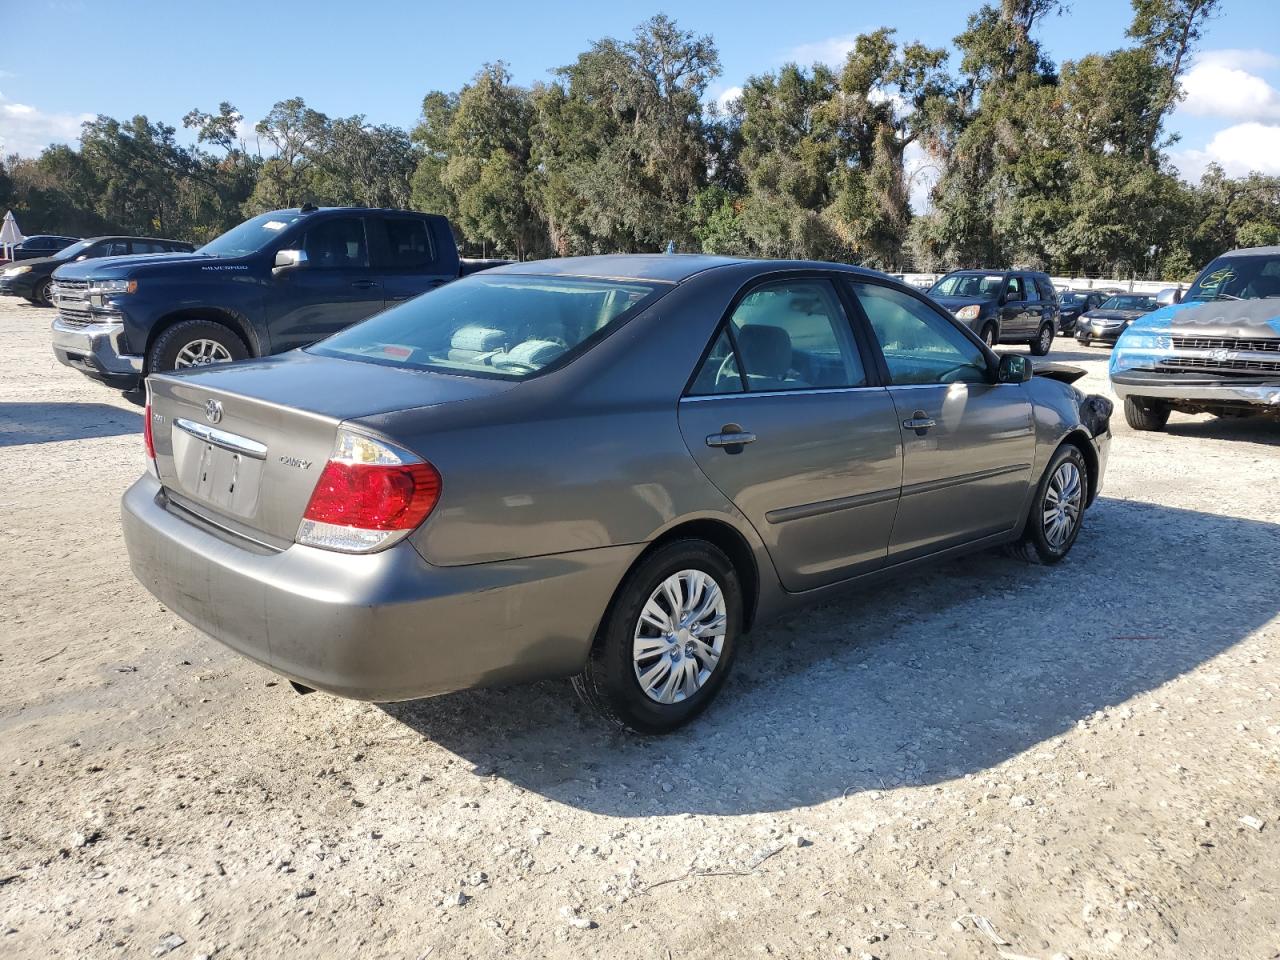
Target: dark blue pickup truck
x,y
278,281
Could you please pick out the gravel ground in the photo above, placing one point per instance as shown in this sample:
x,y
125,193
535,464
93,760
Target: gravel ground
x,y
985,760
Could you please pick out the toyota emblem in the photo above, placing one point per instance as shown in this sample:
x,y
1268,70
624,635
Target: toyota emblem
x,y
213,410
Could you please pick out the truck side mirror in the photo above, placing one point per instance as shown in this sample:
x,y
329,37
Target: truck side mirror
x,y
289,260
1013,368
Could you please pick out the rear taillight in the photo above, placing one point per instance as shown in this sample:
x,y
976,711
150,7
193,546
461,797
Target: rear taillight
x,y
370,495
148,439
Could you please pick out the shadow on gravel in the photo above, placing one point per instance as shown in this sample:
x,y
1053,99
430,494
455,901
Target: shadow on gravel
x,y
1236,429
25,423
947,672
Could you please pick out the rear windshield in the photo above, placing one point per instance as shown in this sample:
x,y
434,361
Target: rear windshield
x,y
1238,278
250,236
969,285
492,325
1145,304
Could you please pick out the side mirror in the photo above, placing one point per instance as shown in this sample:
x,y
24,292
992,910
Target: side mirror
x,y
289,260
1002,299
1014,368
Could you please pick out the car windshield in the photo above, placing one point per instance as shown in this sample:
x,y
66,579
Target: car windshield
x,y
73,251
1145,304
969,285
1238,278
250,236
495,325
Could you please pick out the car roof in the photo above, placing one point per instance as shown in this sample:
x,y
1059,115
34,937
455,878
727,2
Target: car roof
x,y
48,236
1252,252
147,239
662,267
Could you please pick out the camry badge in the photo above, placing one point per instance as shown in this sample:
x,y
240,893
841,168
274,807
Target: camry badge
x,y
213,411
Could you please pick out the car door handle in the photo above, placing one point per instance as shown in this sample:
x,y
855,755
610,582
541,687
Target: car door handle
x,y
730,439
920,423
364,284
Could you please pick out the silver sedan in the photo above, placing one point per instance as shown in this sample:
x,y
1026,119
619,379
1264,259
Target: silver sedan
x,y
605,468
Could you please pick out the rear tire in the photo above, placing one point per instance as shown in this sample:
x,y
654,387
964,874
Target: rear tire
x,y
1043,342
662,645
194,343
1143,414
1057,510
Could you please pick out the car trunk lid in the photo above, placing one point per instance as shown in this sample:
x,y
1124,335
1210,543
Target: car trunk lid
x,y
242,446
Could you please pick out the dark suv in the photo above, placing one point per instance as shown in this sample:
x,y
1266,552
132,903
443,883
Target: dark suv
x,y
33,279
1002,306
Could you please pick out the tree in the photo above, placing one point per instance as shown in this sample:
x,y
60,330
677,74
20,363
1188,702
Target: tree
x,y
1169,30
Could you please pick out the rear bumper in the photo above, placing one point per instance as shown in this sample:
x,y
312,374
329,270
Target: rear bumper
x,y
97,350
383,626
1155,386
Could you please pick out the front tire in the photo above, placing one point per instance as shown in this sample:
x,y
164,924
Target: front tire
x,y
667,641
1142,414
194,343
1057,511
990,335
1043,342
42,296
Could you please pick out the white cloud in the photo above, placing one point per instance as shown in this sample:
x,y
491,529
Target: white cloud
x,y
727,97
1239,149
833,51
1239,59
26,130
1221,87
921,172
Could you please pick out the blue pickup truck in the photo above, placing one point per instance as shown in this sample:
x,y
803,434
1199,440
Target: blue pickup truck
x,y
279,281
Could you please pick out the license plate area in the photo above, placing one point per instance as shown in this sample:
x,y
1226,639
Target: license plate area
x,y
217,468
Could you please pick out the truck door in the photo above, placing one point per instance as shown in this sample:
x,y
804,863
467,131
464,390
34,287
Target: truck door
x,y
335,288
406,257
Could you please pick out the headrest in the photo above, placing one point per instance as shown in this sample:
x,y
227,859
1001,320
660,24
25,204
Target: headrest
x,y
766,350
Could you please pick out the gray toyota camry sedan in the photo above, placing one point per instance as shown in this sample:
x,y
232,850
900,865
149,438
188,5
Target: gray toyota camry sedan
x,y
606,468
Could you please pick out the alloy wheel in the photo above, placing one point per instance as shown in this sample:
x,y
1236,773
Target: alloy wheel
x,y
198,353
1063,504
1046,339
679,636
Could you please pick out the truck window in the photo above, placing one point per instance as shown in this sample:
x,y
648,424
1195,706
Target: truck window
x,y
408,242
336,244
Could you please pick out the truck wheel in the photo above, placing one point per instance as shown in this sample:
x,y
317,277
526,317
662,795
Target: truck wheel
x,y
1043,342
667,641
194,343
990,335
1145,414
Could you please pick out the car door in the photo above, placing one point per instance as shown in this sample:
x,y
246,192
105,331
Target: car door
x,y
1014,323
968,442
333,289
785,419
405,257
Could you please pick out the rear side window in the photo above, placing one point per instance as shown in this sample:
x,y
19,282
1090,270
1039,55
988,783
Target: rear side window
x,y
148,246
408,242
1046,288
337,243
1033,293
789,335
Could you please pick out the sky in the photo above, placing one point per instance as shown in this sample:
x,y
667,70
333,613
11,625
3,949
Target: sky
x,y
379,58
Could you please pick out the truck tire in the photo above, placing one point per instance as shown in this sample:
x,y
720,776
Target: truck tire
x,y
193,343
1145,414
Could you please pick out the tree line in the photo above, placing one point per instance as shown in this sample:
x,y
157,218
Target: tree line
x,y
1062,167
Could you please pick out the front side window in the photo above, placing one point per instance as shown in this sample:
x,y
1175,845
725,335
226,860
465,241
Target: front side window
x,y
111,248
788,335
1013,290
336,244
919,345
408,242
495,325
